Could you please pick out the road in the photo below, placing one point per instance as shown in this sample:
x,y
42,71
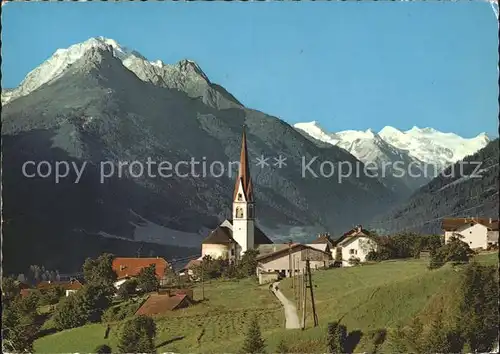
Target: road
x,y
292,319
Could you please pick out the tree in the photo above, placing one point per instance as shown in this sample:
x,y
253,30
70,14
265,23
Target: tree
x,y
93,301
248,263
479,307
147,280
455,251
10,289
69,314
127,289
52,296
103,349
100,272
336,338
16,338
138,336
254,343
19,325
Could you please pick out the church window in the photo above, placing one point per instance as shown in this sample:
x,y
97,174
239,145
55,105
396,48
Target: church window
x,y
239,212
240,197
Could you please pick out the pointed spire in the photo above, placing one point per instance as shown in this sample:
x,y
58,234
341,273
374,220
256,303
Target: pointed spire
x,y
244,173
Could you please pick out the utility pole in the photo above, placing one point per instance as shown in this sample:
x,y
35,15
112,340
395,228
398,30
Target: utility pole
x,y
304,277
310,286
290,261
299,279
202,280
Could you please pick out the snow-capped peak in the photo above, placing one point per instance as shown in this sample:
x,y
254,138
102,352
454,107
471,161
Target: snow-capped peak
x,y
62,59
314,130
419,144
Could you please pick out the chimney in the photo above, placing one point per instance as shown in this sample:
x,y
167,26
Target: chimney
x,y
490,220
359,228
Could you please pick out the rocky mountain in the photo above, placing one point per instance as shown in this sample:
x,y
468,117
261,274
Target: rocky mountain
x,y
468,188
425,152
98,112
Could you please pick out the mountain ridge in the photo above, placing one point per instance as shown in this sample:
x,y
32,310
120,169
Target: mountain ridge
x,y
417,149
99,110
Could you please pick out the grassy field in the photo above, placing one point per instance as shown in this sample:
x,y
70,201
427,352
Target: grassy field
x,y
375,296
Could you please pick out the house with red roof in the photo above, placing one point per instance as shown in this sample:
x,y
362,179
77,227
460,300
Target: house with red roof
x,y
127,268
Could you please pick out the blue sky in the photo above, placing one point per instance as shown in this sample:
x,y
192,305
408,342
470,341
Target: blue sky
x,y
347,65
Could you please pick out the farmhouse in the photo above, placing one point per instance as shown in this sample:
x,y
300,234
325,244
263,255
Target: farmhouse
x,y
233,237
478,233
160,303
69,287
290,259
354,244
126,268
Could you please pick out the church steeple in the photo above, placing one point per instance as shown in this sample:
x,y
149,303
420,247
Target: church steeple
x,y
243,203
244,172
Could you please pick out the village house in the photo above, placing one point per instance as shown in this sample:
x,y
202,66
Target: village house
x,y
290,259
127,268
354,244
478,233
233,237
70,287
166,301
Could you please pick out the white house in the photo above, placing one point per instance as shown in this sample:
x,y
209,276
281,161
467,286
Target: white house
x,y
356,243
290,259
478,233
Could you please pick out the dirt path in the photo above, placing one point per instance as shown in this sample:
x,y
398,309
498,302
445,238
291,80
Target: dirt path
x,y
292,319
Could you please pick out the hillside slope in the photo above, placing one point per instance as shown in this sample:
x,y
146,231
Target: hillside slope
x,y
460,191
98,110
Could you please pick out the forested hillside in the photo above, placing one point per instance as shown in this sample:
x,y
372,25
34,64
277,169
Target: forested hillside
x,y
468,188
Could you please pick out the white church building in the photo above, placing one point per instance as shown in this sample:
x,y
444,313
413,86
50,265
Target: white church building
x,y
232,238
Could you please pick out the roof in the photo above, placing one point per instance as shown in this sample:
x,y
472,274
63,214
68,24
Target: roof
x,y
244,173
270,248
294,247
159,303
66,285
260,237
223,234
23,285
452,224
193,263
322,239
355,231
26,292
319,246
129,267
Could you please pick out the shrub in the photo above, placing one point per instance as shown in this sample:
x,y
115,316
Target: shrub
x,y
138,336
147,280
455,251
336,338
354,261
127,289
69,314
254,343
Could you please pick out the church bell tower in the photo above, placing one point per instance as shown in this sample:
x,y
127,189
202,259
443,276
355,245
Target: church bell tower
x,y
243,203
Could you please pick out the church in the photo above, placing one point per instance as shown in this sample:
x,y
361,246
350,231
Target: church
x,y
233,237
